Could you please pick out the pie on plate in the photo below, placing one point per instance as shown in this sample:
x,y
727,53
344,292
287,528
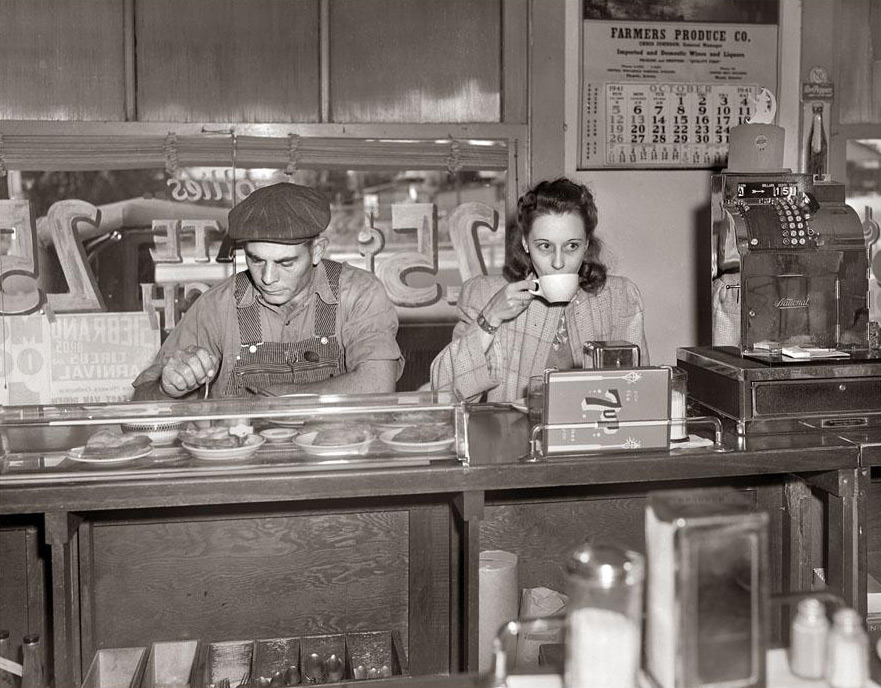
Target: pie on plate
x,y
108,446
430,432
247,447
419,439
339,434
217,437
336,442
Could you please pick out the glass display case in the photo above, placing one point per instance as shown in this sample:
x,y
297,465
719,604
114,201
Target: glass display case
x,y
179,438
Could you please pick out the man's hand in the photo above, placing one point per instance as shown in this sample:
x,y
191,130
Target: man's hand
x,y
187,369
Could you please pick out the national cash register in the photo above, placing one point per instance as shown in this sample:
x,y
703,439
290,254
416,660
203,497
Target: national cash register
x,y
791,314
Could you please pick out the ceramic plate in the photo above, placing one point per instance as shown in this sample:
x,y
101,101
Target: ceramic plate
x,y
388,438
290,422
246,451
76,454
278,435
305,441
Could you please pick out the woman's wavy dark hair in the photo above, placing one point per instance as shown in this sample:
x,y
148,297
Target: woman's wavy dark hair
x,y
556,198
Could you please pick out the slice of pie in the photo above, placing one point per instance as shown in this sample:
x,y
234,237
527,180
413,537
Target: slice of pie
x,y
108,444
340,434
430,432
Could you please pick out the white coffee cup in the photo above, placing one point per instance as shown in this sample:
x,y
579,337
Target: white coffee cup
x,y
557,287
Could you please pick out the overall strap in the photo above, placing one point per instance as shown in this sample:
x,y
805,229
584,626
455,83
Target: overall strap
x,y
249,316
325,313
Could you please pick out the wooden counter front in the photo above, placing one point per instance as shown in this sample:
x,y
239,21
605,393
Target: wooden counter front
x,y
266,552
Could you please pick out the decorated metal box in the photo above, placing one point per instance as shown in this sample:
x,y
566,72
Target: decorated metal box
x,y
602,410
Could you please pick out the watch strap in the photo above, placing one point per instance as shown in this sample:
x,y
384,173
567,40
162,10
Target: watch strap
x,y
484,325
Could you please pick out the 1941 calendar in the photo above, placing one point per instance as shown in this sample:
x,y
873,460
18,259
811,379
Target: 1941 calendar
x,y
664,93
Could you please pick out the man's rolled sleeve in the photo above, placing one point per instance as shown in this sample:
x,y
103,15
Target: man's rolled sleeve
x,y
369,323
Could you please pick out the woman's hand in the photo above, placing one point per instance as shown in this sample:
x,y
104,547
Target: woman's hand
x,y
508,302
187,369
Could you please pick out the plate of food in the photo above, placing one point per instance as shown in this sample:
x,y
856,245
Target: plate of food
x,y
287,421
160,434
404,419
111,448
278,435
416,439
217,444
335,439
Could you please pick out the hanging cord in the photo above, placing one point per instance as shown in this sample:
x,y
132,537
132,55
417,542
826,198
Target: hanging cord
x,y
454,160
293,155
172,164
235,151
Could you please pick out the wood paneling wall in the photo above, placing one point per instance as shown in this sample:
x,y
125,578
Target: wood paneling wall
x,y
62,60
260,61
227,61
415,61
860,72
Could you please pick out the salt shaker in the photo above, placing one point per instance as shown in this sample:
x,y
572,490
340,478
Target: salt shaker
x,y
810,633
604,617
848,658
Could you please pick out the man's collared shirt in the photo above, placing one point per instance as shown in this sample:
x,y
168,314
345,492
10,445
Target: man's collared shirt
x,y
366,323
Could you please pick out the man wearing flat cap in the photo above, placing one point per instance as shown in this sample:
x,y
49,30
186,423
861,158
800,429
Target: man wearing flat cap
x,y
293,322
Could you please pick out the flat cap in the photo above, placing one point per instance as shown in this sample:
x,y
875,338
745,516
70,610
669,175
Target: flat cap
x,y
282,213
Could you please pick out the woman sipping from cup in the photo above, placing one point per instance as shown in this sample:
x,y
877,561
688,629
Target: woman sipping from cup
x,y
553,294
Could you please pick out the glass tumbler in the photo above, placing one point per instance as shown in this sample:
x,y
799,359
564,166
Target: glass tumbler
x,y
603,617
678,404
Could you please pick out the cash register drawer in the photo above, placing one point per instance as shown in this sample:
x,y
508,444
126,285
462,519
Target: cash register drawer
x,y
799,397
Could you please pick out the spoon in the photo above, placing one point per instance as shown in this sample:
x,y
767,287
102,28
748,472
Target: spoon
x,y
313,669
335,669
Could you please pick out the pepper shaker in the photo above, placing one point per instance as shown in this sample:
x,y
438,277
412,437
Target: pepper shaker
x,y
848,659
810,633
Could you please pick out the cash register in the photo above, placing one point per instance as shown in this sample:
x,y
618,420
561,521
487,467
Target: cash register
x,y
793,346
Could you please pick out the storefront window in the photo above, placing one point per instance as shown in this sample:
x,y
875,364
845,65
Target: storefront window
x,y
119,249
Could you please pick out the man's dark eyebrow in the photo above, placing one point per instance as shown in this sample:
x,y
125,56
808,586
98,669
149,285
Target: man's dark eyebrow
x,y
282,260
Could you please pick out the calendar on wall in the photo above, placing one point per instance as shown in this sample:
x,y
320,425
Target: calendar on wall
x,y
662,89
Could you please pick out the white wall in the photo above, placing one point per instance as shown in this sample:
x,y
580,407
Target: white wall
x,y
649,223
656,223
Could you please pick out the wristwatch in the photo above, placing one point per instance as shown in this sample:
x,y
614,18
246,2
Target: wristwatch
x,y
484,325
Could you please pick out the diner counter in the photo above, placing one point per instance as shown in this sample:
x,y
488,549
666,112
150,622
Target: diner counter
x,y
499,461
282,546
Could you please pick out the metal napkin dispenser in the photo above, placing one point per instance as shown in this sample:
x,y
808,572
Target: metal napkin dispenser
x,y
707,589
615,353
604,410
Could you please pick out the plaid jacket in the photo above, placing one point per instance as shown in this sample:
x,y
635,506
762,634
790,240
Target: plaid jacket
x,y
521,346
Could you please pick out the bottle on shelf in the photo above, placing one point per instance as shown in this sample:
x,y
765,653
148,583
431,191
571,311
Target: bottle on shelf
x,y
33,674
810,633
817,148
847,665
7,678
